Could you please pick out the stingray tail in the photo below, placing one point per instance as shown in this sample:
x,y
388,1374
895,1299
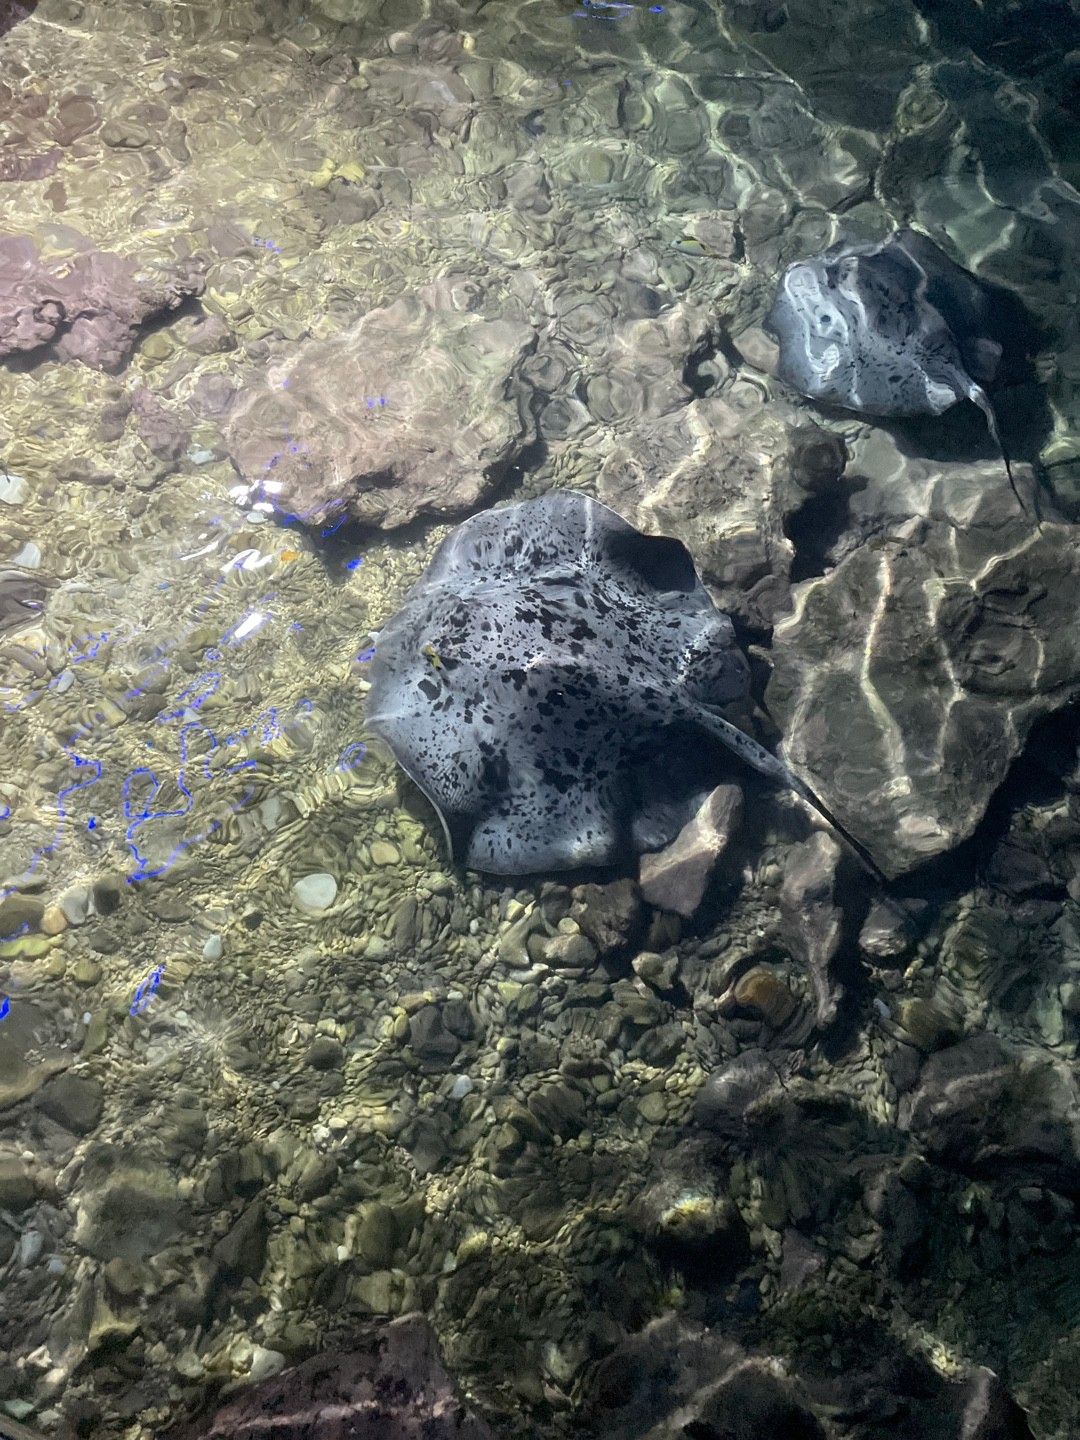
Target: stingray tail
x,y
760,759
982,400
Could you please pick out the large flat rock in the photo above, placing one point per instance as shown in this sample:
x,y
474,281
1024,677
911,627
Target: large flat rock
x,y
416,409
907,679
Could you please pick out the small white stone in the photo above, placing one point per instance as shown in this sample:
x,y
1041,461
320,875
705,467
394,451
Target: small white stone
x,y
270,811
31,1243
64,681
315,892
461,1087
29,557
264,1363
13,488
213,949
75,903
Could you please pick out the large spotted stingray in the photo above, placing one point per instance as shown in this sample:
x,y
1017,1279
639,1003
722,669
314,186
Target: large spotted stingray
x,y
549,665
894,328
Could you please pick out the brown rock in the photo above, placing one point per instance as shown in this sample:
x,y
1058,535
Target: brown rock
x,y
761,989
677,877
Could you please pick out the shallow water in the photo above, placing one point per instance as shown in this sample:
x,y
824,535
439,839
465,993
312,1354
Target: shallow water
x,y
272,1069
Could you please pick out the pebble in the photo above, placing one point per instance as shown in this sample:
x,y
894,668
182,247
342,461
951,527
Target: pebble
x,y
762,990
758,349
13,488
264,1363
75,903
64,681
31,1244
383,853
17,1188
29,557
652,1107
54,921
315,892
86,971
461,1087
213,949
188,1365
659,971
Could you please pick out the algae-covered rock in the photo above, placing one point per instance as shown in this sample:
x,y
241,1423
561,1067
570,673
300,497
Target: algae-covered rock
x,y
415,410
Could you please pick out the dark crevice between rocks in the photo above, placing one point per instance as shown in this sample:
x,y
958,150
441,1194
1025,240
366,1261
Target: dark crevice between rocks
x,y
818,459
700,375
814,529
12,11
190,307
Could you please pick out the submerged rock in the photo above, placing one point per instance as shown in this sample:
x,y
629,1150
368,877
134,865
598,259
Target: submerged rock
x,y
425,409
676,1379
21,598
909,675
392,1385
677,877
810,920
985,1105
89,307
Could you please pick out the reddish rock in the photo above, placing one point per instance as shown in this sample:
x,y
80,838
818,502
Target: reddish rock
x,y
88,307
415,410
392,1387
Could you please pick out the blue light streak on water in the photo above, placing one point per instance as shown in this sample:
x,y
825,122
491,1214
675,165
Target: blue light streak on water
x,y
80,762
145,869
352,755
22,930
203,688
5,1007
5,811
355,564
145,991
366,655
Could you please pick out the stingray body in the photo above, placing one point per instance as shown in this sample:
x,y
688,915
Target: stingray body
x,y
890,329
546,668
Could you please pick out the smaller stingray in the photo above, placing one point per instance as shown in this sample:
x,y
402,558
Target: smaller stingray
x,y
549,661
892,329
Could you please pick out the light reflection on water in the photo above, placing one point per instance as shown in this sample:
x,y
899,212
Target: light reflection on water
x,y
154,798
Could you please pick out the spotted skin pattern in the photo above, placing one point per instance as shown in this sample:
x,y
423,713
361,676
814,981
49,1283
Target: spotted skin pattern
x,y
546,656
865,327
